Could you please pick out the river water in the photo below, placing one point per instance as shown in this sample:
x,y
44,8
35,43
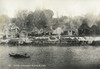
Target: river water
x,y
51,57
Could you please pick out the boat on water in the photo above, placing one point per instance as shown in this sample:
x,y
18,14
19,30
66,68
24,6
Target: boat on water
x,y
19,55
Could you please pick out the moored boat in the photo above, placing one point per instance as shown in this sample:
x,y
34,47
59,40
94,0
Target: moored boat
x,y
19,55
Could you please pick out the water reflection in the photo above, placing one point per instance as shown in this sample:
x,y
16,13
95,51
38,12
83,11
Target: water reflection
x,y
52,57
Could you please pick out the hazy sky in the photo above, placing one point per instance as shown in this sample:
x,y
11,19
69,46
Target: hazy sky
x,y
60,7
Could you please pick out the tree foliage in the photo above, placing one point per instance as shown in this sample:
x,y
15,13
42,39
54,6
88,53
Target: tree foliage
x,y
43,19
28,20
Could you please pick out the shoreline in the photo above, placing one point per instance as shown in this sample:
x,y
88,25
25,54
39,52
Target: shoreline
x,y
64,41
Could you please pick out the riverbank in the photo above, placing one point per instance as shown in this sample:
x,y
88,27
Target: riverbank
x,y
47,41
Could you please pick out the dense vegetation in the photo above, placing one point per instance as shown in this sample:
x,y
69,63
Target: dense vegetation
x,y
43,19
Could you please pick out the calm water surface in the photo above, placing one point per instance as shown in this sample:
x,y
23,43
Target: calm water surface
x,y
52,57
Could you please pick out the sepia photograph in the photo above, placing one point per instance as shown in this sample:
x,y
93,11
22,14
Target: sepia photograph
x,y
49,34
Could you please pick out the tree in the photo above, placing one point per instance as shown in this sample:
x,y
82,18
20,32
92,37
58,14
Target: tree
x,y
98,25
84,29
28,20
4,21
94,30
20,19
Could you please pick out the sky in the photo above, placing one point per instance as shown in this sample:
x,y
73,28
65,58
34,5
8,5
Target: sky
x,y
59,7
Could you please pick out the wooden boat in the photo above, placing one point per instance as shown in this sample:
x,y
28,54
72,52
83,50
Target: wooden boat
x,y
19,55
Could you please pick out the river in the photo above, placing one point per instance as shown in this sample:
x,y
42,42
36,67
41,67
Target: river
x,y
51,57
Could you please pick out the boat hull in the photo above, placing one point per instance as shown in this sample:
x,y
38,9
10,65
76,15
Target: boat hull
x,y
18,56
